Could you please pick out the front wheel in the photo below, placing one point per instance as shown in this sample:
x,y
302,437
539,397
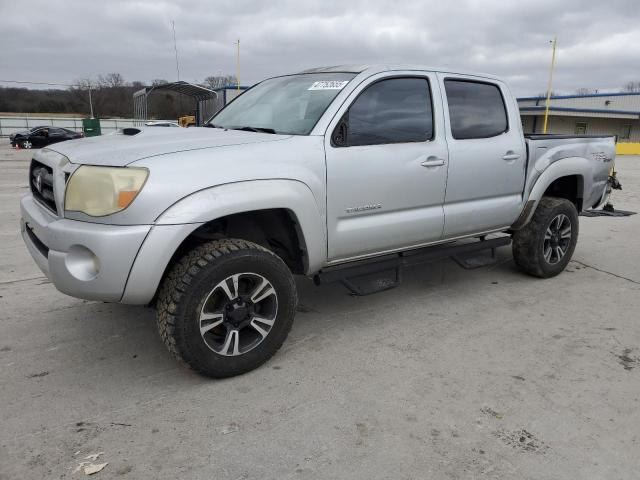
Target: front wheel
x,y
544,246
226,307
26,144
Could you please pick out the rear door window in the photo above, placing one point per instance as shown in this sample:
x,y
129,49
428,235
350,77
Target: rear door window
x,y
476,109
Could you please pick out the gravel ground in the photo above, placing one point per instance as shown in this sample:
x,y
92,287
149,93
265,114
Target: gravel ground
x,y
454,375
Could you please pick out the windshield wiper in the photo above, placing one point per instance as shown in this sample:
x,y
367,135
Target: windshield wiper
x,y
254,129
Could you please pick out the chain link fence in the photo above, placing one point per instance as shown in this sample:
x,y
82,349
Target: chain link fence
x,y
11,124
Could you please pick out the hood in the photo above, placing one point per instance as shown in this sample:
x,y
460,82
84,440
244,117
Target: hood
x,y
118,149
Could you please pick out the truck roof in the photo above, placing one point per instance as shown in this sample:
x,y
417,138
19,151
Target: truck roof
x,y
377,68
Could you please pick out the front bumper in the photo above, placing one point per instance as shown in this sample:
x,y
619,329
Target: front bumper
x,y
85,260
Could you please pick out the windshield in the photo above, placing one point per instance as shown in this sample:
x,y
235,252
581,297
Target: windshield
x,y
288,105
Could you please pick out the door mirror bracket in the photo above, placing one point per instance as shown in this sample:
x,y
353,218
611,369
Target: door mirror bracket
x,y
340,134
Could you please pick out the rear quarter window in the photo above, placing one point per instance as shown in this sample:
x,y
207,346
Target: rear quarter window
x,y
476,109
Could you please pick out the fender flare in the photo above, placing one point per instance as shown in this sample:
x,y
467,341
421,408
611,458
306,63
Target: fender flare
x,y
182,218
561,168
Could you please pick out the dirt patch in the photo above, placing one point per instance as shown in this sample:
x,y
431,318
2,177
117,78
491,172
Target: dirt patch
x,y
522,440
491,412
628,360
304,309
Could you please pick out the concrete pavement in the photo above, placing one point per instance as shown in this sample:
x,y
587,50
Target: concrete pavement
x,y
455,374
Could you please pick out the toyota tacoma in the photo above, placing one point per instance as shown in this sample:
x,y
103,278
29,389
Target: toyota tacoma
x,y
340,174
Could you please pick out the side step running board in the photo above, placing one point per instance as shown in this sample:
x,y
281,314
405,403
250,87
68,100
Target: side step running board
x,y
374,275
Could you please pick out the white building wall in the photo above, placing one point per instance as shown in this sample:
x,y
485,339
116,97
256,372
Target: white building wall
x,y
594,126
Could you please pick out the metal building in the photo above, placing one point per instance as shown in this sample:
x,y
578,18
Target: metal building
x,y
206,101
591,114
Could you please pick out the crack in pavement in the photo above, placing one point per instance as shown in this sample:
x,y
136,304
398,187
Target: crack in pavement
x,y
608,273
8,282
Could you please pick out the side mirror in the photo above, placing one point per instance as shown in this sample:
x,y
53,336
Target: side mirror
x,y
339,137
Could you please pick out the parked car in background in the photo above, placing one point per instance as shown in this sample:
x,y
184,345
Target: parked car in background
x,y
38,137
161,124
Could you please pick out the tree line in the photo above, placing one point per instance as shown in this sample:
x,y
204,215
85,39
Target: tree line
x,y
630,87
111,96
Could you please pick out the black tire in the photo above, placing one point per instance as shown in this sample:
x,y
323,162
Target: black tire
x,y
188,287
530,245
26,144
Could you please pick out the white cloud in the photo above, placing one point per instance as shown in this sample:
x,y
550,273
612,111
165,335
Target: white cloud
x,y
60,42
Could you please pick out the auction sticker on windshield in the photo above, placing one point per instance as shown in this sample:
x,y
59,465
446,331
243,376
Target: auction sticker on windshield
x,y
328,85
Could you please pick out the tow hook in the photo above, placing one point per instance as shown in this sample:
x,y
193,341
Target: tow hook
x,y
614,183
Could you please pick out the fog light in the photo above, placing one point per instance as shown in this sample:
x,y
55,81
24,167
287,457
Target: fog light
x,y
82,263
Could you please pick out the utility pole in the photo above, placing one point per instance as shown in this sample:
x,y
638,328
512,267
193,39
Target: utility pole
x,y
238,64
554,44
90,101
175,47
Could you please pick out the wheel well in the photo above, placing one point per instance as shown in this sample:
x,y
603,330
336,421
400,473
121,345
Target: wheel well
x,y
276,229
569,187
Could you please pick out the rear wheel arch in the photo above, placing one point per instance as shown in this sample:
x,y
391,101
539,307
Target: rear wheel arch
x,y
569,187
567,178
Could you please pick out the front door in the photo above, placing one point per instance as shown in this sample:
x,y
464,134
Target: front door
x,y
39,137
386,167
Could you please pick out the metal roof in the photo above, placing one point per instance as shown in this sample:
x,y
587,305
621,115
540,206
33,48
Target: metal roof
x,y
588,95
591,110
196,91
598,112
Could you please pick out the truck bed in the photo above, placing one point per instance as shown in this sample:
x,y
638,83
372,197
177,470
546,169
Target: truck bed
x,y
598,151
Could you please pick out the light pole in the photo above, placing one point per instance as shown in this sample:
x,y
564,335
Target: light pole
x,y
175,48
554,43
90,101
238,64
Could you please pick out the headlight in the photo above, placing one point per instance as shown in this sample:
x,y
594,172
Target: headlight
x,y
99,191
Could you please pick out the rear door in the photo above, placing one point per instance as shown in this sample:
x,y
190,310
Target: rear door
x,y
487,156
386,157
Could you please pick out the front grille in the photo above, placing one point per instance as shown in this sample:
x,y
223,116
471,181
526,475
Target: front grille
x,y
41,183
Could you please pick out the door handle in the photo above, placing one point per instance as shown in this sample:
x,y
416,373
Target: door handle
x,y
510,156
433,162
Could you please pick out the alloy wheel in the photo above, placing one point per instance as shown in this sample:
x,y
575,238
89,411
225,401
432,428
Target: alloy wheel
x,y
238,313
557,239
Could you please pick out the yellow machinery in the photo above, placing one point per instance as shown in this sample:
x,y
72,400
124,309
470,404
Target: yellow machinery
x,y
187,121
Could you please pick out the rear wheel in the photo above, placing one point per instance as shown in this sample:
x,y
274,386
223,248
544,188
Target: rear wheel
x,y
226,307
544,247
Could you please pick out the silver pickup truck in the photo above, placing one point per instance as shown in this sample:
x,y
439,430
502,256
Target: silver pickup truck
x,y
341,174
